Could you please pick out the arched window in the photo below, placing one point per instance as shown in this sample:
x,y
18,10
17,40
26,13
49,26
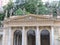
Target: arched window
x,y
31,37
17,37
45,37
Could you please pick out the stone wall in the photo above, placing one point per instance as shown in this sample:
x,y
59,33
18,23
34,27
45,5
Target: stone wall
x,y
57,35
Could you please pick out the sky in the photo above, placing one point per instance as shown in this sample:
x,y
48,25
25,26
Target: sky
x,y
4,2
49,0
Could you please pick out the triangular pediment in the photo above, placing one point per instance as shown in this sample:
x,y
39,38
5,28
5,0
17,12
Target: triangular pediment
x,y
30,17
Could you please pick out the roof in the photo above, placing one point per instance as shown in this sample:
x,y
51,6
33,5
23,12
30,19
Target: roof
x,y
32,20
30,15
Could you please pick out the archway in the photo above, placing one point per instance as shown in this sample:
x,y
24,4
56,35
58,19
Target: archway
x,y
31,37
17,37
45,37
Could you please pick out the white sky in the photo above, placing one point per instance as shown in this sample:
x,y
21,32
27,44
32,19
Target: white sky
x,y
4,2
49,0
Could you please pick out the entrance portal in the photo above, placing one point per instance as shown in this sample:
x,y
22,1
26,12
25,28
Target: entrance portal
x,y
31,37
45,37
17,37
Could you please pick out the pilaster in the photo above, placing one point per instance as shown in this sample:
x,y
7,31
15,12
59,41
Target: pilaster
x,y
6,36
24,36
37,36
3,38
52,35
9,37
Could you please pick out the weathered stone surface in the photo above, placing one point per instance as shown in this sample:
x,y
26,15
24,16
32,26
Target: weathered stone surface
x,y
31,22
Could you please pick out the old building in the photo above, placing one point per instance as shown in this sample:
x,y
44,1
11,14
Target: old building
x,y
31,30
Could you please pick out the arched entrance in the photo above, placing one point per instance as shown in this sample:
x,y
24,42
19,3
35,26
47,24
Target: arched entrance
x,y
31,37
17,37
45,37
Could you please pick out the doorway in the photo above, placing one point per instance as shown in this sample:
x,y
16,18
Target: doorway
x,y
17,37
45,37
31,37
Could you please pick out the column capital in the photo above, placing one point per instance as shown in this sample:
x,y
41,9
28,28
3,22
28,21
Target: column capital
x,y
52,28
23,28
37,27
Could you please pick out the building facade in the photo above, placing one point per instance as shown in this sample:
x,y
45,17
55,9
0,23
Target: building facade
x,y
31,30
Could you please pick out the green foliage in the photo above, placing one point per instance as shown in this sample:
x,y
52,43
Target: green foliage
x,y
19,12
54,9
32,5
30,8
54,12
44,10
9,5
2,17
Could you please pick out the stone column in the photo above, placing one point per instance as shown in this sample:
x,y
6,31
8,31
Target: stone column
x,y
37,36
6,36
9,38
3,38
24,37
52,34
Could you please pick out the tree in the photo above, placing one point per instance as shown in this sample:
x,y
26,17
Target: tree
x,y
2,17
32,5
20,12
8,7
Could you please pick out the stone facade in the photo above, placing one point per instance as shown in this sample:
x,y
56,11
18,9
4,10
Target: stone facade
x,y
31,22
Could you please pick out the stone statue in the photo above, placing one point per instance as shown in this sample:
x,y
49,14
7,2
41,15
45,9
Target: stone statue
x,y
24,11
6,14
11,11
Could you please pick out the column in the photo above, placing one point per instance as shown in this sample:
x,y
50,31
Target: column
x,y
37,36
52,34
9,36
3,38
24,37
6,36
